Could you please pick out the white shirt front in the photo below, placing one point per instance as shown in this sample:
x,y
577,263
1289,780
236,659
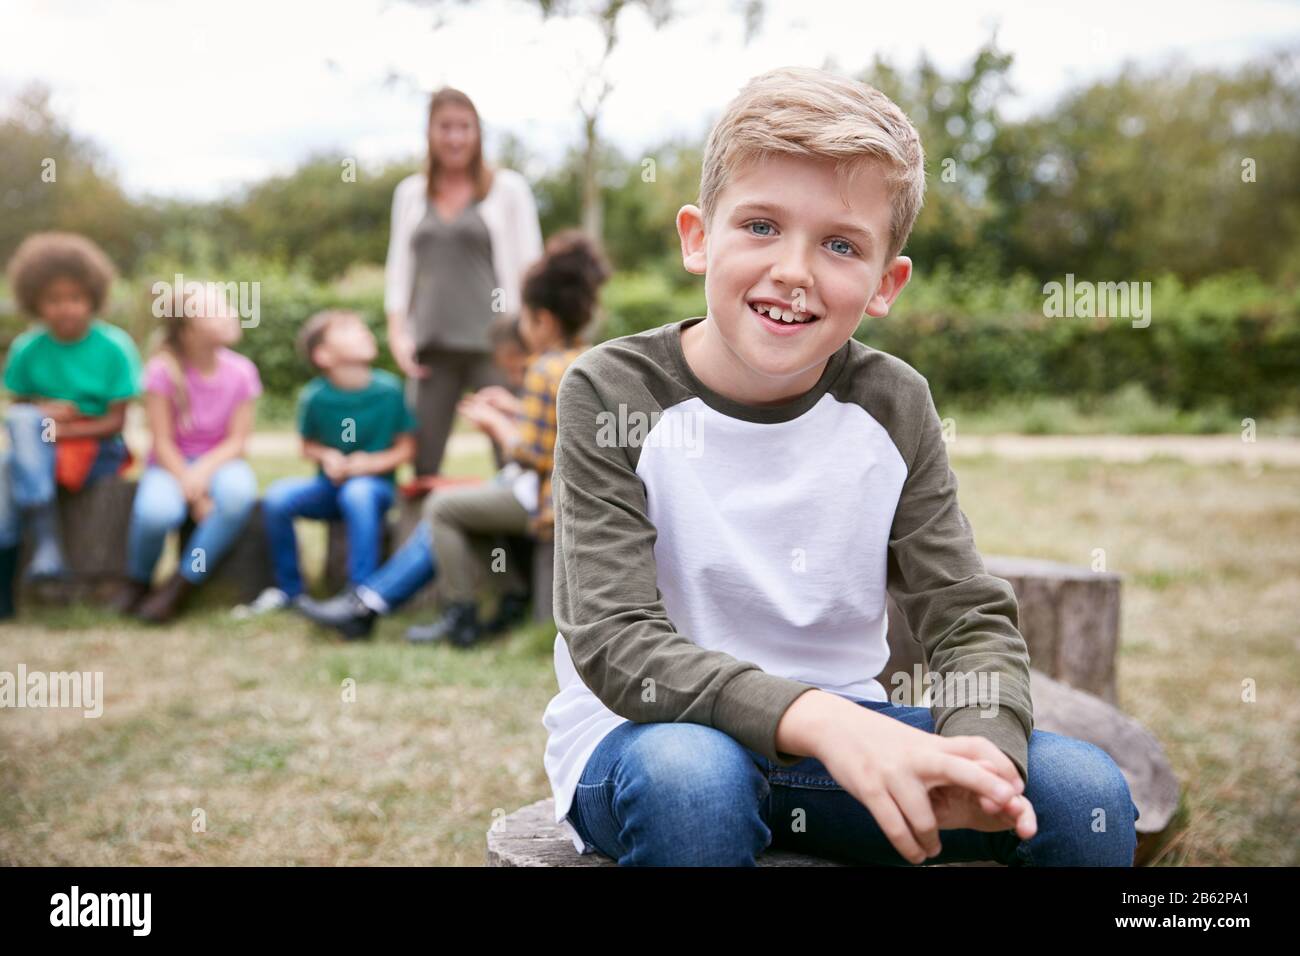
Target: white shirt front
x,y
753,553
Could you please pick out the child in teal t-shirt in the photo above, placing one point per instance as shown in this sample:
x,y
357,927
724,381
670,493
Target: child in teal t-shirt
x,y
367,419
356,426
70,377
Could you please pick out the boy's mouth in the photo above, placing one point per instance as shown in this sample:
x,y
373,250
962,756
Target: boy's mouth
x,y
780,316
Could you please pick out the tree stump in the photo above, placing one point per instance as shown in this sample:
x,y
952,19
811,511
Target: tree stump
x,y
1069,617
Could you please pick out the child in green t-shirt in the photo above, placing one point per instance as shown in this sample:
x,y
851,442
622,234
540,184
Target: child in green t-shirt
x,y
356,426
70,377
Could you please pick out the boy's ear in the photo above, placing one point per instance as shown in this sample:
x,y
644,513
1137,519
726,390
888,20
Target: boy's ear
x,y
690,227
892,281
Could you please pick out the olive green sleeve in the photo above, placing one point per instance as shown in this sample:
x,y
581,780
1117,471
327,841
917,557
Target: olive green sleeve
x,y
965,618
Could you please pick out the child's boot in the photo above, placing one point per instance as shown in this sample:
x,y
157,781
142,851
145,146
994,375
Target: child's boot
x,y
42,523
511,610
8,565
458,624
345,612
165,602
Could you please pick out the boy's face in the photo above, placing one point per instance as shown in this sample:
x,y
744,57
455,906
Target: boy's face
x,y
65,308
513,362
787,231
347,341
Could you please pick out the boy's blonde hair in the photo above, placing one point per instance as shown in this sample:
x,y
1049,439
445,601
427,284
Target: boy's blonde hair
x,y
801,111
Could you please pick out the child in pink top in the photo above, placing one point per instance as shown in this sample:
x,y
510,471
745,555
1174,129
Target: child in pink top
x,y
199,399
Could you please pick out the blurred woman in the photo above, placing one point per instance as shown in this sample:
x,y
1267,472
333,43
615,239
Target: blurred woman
x,y
462,235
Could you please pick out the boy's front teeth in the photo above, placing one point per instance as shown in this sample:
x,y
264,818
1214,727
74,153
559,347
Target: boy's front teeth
x,y
780,315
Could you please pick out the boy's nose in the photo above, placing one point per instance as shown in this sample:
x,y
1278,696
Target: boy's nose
x,y
792,269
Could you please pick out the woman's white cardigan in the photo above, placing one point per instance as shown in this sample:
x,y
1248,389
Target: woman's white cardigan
x,y
508,210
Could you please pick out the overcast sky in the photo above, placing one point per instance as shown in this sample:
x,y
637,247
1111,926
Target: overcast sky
x,y
192,98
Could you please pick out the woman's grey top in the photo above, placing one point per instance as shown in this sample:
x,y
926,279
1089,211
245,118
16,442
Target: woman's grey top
x,y
451,297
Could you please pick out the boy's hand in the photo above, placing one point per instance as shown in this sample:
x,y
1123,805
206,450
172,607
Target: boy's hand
x,y
194,482
402,346
486,416
892,769
59,410
357,463
334,463
502,399
958,809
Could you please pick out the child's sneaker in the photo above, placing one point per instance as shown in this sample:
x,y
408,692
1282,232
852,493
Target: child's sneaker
x,y
345,612
271,599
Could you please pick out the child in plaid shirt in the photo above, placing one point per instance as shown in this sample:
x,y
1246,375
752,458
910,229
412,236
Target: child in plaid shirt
x,y
560,294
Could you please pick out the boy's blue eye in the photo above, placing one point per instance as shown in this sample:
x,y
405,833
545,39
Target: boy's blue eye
x,y
844,242
760,223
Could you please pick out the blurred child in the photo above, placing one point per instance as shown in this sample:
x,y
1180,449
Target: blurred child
x,y
510,355
356,425
71,377
560,294
199,399
509,352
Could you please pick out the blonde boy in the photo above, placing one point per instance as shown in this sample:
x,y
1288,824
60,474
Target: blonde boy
x,y
721,601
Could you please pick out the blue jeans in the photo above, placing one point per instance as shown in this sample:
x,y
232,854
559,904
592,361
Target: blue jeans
x,y
411,567
361,502
689,795
27,469
160,507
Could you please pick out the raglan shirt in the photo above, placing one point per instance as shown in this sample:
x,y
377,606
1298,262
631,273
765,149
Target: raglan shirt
x,y
715,560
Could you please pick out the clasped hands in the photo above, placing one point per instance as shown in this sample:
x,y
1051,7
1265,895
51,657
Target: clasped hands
x,y
339,467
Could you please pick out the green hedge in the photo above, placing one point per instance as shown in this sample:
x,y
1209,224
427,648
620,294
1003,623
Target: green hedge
x,y
1230,338
1227,339
978,338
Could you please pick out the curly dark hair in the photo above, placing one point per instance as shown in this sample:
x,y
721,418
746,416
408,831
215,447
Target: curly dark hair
x,y
567,279
43,257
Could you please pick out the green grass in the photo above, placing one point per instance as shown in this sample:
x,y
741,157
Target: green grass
x,y
1129,411
246,722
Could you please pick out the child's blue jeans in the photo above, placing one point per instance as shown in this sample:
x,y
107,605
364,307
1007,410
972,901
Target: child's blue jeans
x,y
27,469
361,502
682,794
160,507
410,568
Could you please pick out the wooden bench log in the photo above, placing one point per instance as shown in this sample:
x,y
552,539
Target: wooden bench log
x,y
530,836
93,526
